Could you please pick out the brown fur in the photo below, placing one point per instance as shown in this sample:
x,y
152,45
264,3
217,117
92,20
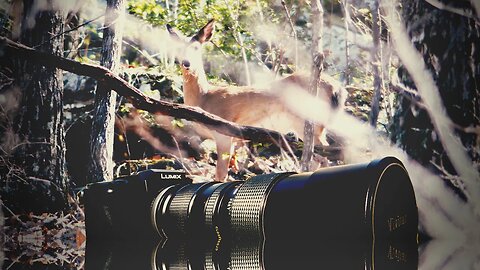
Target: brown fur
x,y
241,104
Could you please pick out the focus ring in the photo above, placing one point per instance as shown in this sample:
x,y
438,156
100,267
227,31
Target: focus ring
x,y
210,205
246,208
179,207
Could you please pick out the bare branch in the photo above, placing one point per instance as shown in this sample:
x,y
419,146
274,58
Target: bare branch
x,y
476,5
137,98
409,94
287,12
70,30
459,11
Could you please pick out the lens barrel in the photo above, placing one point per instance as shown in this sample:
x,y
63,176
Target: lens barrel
x,y
355,202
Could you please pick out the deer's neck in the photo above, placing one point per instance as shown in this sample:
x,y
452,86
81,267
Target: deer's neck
x,y
195,86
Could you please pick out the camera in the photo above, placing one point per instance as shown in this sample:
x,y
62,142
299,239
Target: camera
x,y
364,202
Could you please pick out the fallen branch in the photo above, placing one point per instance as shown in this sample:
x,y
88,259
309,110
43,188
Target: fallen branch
x,y
466,12
137,98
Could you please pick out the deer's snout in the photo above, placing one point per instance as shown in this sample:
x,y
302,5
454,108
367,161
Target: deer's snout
x,y
186,63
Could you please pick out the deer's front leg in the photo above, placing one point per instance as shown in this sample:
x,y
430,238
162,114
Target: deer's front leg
x,y
224,154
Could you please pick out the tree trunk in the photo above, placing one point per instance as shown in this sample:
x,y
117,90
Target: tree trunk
x,y
317,67
449,44
347,19
376,63
2,236
39,121
101,139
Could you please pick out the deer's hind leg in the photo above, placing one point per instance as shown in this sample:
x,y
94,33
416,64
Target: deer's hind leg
x,y
319,136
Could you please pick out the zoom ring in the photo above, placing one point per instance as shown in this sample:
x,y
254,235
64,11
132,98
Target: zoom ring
x,y
179,206
246,208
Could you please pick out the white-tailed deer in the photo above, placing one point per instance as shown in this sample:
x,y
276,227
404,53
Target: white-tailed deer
x,y
242,105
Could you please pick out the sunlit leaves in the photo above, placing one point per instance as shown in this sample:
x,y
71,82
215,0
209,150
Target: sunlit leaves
x,y
148,10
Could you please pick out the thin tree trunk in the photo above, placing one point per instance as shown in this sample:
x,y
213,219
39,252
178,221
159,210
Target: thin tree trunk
x,y
346,75
239,39
39,121
101,139
175,10
294,31
2,236
376,62
317,68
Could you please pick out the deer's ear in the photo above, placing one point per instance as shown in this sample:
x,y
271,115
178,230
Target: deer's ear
x,y
205,34
172,31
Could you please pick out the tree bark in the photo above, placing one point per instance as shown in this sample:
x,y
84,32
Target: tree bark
x,y
39,121
317,68
449,44
2,235
347,19
102,133
376,63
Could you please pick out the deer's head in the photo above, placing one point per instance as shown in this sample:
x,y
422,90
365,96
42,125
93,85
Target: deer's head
x,y
189,50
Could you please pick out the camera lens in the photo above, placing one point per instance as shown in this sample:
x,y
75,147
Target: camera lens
x,y
365,202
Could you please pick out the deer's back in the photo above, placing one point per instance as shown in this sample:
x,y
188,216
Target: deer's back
x,y
261,107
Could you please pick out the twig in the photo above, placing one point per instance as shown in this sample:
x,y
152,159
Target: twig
x,y
44,181
23,143
12,213
409,94
181,159
70,30
476,5
287,12
453,179
459,11
142,52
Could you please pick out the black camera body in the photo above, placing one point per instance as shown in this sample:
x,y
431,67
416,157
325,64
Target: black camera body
x,y
121,209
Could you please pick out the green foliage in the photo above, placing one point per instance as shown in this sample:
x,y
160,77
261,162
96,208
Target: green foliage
x,y
5,23
234,20
148,10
